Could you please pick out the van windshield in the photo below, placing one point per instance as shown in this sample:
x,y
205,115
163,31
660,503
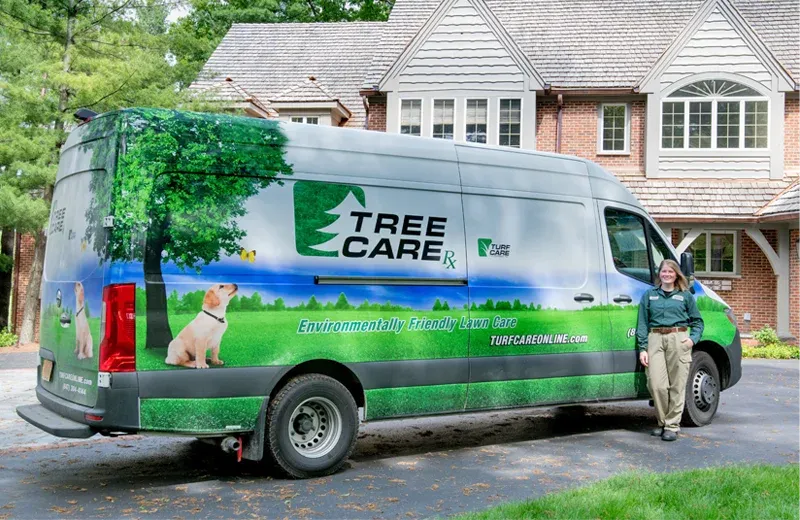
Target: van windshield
x,y
69,255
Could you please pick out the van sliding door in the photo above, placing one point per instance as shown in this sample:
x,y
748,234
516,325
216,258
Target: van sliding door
x,y
539,326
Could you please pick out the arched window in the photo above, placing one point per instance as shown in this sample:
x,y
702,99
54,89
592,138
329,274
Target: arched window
x,y
715,114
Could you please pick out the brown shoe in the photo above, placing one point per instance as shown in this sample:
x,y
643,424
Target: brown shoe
x,y
669,435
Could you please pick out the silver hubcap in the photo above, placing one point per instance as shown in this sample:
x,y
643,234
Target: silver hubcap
x,y
704,388
315,427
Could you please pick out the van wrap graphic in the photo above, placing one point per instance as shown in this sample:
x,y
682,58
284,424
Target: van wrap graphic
x,y
225,248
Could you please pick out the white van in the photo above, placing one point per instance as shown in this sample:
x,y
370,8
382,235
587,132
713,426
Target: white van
x,y
270,285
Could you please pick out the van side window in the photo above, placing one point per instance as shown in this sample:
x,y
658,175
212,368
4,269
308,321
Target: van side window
x,y
628,244
660,250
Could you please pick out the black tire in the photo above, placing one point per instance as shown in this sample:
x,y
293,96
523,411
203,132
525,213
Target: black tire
x,y
702,391
311,405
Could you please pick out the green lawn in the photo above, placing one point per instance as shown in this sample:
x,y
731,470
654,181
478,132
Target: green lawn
x,y
730,493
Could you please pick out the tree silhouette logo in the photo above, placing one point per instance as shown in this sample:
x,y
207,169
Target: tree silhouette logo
x,y
321,216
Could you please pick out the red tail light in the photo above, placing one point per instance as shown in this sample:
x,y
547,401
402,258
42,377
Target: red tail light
x,y
118,347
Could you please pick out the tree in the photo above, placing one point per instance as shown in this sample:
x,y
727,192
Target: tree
x,y
488,306
187,219
279,304
313,304
445,306
342,227
60,55
473,307
342,304
518,305
437,305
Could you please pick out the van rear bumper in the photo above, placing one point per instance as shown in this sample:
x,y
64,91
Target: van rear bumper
x,y
118,406
54,424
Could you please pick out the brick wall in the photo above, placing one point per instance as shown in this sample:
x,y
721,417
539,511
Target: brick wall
x,y
377,114
579,132
22,268
794,284
755,291
791,136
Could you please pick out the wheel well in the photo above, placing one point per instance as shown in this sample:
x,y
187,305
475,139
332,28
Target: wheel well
x,y
720,358
329,368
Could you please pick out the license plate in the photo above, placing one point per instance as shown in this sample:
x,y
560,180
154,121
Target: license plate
x,y
47,369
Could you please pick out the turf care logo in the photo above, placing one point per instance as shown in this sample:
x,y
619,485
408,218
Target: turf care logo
x,y
335,220
487,248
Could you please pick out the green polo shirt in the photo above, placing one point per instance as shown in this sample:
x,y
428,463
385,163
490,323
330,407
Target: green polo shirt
x,y
661,309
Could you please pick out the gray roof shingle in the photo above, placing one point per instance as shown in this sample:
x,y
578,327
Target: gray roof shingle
x,y
785,202
709,198
268,59
595,43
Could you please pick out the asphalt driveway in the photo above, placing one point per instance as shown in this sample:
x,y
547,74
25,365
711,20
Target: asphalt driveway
x,y
409,469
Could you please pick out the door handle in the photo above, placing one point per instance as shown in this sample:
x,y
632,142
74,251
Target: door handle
x,y
622,298
584,297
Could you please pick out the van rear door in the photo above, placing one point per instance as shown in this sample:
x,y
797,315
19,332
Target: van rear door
x,y
72,284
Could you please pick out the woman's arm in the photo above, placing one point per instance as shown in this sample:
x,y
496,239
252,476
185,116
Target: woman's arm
x,y
695,319
641,327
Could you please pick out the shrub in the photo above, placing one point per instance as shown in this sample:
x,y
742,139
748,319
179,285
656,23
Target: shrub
x,y
779,351
766,336
7,339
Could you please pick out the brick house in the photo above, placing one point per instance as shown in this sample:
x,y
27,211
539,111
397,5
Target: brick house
x,y
693,104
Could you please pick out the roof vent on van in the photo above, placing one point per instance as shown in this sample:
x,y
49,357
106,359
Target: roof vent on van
x,y
85,115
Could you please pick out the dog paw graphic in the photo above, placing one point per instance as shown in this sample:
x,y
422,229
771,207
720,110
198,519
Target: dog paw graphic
x,y
217,362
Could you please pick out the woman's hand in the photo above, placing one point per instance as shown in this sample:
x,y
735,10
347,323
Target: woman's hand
x,y
689,341
643,359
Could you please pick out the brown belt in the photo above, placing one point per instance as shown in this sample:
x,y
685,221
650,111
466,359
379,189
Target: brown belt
x,y
668,330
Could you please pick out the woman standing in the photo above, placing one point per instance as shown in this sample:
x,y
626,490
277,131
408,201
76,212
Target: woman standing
x,y
666,312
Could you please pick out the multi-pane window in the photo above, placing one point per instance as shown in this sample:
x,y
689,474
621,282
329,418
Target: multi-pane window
x,y
510,122
443,118
721,114
411,117
672,124
714,252
309,120
755,124
700,124
477,115
728,124
614,120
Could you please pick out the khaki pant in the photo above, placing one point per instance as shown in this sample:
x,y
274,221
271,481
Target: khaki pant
x,y
669,362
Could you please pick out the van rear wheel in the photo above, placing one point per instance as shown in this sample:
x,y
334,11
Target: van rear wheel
x,y
312,426
702,391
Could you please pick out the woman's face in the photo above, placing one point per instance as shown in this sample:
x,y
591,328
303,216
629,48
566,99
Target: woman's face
x,y
667,274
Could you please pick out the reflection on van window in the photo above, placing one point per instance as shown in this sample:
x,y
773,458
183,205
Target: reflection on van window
x,y
660,250
628,244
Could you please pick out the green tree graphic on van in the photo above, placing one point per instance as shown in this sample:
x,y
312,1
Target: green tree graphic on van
x,y
484,244
320,211
191,175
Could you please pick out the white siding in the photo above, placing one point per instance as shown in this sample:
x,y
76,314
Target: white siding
x,y
461,53
750,166
715,47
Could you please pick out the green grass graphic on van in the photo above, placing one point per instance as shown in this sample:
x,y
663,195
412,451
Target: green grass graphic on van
x,y
483,246
318,206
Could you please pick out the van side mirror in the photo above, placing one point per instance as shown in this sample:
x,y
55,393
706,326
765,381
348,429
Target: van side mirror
x,y
687,268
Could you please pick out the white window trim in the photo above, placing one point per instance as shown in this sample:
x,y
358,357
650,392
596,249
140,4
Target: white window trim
x,y
521,120
488,118
421,115
433,114
304,119
708,233
714,100
627,149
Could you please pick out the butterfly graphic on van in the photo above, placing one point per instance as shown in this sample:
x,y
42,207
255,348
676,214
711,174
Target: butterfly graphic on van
x,y
246,255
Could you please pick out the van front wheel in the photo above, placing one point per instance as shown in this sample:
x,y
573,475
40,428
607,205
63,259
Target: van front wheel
x,y
702,391
312,425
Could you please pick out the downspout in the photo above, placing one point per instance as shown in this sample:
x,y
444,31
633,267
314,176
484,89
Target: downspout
x,y
559,109
366,110
15,285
